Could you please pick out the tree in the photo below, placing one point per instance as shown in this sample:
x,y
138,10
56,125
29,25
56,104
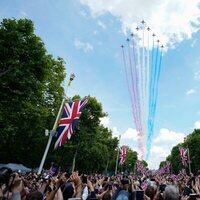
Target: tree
x,y
131,159
145,164
162,164
192,142
91,142
30,90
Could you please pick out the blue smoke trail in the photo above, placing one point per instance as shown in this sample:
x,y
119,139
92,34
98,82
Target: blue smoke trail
x,y
150,95
157,81
154,102
152,99
153,88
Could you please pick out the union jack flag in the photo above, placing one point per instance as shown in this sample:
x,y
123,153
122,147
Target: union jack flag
x,y
122,155
168,166
183,154
53,171
140,167
71,114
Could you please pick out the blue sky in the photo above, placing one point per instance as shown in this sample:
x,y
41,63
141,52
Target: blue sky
x,y
88,36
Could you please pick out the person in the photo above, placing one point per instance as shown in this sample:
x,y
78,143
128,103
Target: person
x,y
171,193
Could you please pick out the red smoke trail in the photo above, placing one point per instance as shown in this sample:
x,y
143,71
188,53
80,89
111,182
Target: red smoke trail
x,y
133,88
138,128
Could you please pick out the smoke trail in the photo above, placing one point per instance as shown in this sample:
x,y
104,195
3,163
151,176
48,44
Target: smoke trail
x,y
157,83
141,100
154,83
133,87
152,73
132,104
147,83
156,75
127,81
143,91
136,69
142,78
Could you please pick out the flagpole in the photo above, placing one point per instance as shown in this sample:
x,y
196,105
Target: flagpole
x,y
189,159
117,157
52,133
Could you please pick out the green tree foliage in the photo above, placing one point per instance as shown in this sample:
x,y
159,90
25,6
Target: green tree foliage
x,y
162,164
131,159
145,164
30,90
192,142
93,143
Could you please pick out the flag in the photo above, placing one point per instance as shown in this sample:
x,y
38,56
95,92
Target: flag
x,y
140,167
122,155
71,114
53,171
167,166
144,185
183,154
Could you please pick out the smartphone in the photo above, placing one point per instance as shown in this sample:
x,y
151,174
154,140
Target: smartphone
x,y
193,196
139,195
53,171
162,188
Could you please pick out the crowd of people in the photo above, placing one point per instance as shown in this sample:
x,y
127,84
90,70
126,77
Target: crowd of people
x,y
96,186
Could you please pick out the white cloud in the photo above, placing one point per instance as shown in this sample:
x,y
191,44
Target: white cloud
x,y
171,20
101,24
191,91
197,125
130,134
162,145
115,130
105,121
85,46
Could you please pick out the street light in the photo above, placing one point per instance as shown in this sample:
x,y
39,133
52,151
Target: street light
x,y
72,76
46,132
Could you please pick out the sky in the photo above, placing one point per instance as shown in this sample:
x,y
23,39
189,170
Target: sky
x,y
88,35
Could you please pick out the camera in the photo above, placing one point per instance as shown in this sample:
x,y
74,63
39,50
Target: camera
x,y
193,196
5,174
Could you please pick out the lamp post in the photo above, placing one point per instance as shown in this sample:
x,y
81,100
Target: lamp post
x,y
72,76
116,164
